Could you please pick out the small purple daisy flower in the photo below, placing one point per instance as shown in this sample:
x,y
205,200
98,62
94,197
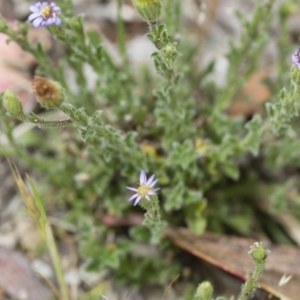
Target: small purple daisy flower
x,y
296,58
44,14
144,190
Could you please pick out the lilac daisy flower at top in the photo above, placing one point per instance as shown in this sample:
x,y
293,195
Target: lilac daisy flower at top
x,y
144,190
296,58
44,14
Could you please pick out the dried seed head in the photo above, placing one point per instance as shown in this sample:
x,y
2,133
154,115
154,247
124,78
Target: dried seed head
x,y
48,92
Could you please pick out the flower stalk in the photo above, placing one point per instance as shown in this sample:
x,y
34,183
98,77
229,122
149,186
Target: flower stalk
x,y
146,196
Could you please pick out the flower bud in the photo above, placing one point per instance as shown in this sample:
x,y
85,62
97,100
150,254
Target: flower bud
x,y
148,9
13,105
258,253
204,291
295,74
49,93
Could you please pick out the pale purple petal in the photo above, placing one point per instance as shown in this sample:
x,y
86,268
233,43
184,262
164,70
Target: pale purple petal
x,y
54,6
58,22
296,58
153,183
149,180
132,197
57,10
38,4
50,21
153,192
34,16
143,177
137,200
45,3
38,22
147,197
34,9
131,188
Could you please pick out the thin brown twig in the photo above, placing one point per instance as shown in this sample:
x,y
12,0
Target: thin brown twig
x,y
169,286
128,294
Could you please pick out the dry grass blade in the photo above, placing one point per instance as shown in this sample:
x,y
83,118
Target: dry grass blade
x,y
36,211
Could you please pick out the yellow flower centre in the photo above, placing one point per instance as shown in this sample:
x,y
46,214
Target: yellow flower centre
x,y
143,190
110,246
46,11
